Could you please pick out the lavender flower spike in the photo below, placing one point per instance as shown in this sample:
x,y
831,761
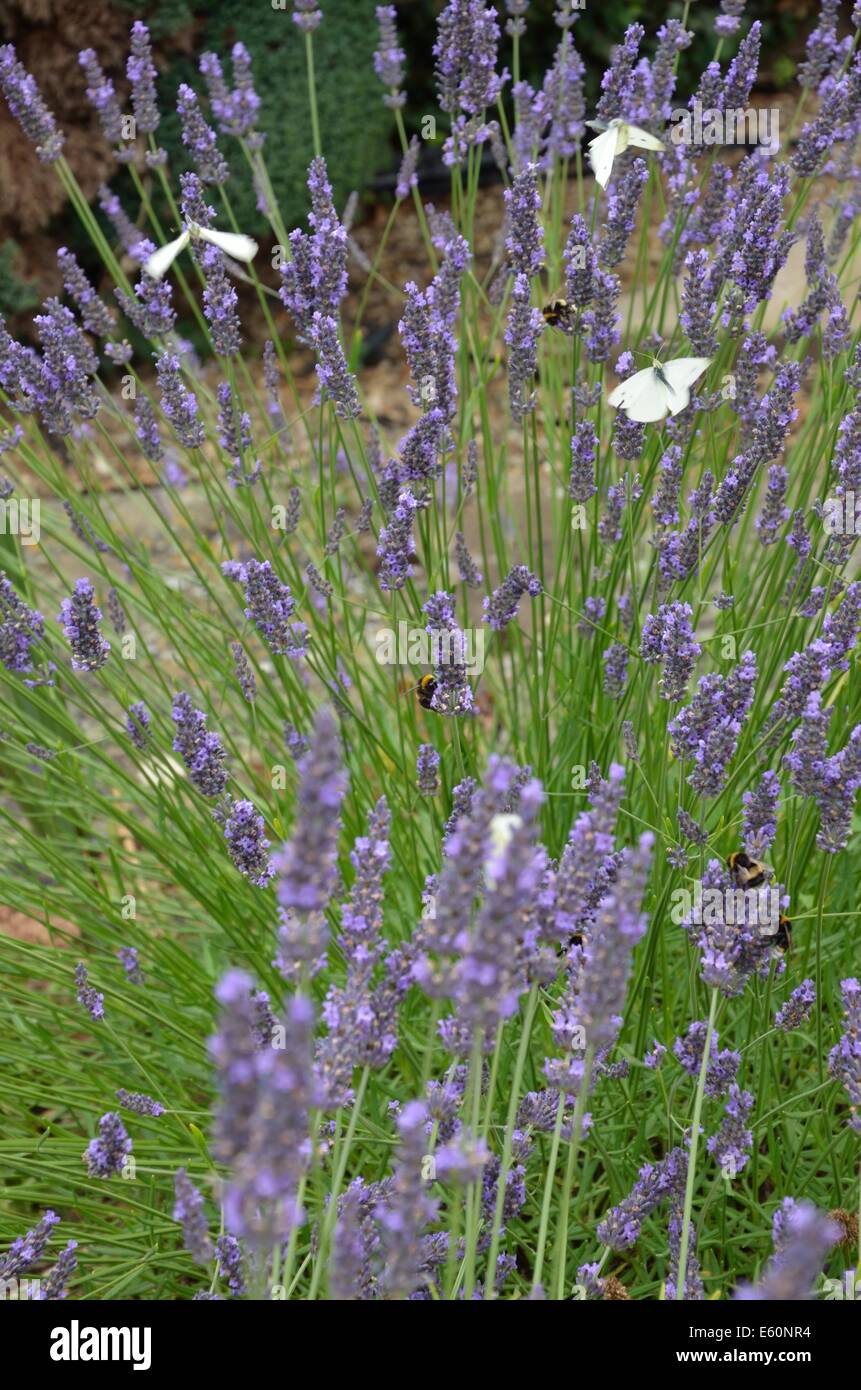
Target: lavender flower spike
x,y
202,752
92,1001
263,1118
179,404
247,843
188,1209
389,58
80,618
199,139
503,603
107,1156
101,95
844,1060
306,865
525,326
306,15
807,1235
26,105
21,628
409,1208
141,74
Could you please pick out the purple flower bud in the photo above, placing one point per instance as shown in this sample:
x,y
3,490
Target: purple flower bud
x,y
525,236
759,826
270,607
128,958
306,15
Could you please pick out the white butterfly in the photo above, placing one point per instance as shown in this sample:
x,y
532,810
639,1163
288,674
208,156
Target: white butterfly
x,y
615,138
664,387
234,244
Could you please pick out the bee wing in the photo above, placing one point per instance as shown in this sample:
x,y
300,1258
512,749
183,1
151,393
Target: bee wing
x,y
681,373
643,140
602,152
643,397
234,244
159,263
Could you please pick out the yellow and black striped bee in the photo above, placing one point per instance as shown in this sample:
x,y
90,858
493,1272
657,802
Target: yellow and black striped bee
x,y
426,688
782,938
557,313
747,872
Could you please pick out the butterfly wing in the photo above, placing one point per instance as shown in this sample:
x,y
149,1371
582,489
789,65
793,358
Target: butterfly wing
x,y
602,152
643,397
681,374
597,125
643,140
159,263
234,244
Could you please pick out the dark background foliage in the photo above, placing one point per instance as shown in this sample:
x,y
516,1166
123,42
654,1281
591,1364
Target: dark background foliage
x,y
357,129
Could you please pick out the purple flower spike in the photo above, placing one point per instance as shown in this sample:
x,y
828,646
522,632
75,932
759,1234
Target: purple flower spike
x,y
102,97
266,1096
106,1156
844,1060
26,105
504,602
141,73
307,863
247,844
92,1001
389,58
807,1235
188,1209
199,139
80,618
202,752
270,606
21,628
306,15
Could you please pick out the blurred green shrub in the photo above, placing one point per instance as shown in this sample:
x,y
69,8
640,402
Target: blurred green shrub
x,y
16,294
355,125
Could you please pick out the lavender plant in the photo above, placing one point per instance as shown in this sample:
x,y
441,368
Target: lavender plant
x,y
460,999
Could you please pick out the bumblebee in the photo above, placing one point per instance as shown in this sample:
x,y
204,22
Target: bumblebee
x,y
425,689
782,938
557,313
747,872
